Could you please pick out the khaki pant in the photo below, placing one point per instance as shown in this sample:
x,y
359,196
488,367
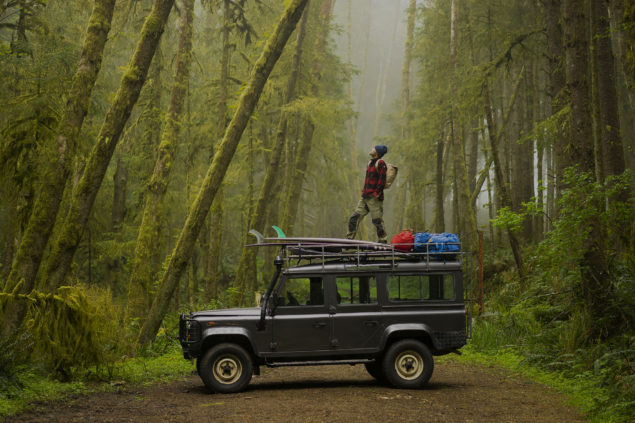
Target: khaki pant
x,y
376,209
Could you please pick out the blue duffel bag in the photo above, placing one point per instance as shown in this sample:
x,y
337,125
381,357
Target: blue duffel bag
x,y
444,243
437,243
421,242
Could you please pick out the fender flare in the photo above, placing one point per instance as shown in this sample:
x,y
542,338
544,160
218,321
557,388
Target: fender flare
x,y
421,328
229,332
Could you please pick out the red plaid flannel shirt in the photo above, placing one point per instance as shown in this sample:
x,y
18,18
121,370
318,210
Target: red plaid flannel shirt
x,y
375,179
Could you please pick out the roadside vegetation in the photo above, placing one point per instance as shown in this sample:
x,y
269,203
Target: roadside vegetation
x,y
140,141
540,325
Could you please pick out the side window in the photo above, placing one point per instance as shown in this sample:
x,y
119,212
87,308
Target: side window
x,y
302,292
356,290
420,287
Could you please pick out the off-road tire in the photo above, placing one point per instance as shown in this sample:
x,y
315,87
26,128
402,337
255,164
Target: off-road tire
x,y
408,364
226,368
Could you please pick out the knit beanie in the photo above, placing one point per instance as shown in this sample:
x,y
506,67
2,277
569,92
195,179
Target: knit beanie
x,y
381,150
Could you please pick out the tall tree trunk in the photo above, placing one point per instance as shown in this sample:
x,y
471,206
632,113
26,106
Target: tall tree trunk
x,y
439,212
212,270
216,172
120,181
500,180
216,218
414,200
612,148
405,72
141,277
580,140
624,16
246,280
83,199
595,284
467,218
522,182
555,62
355,187
29,256
302,157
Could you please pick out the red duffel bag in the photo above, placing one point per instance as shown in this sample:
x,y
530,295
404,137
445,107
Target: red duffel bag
x,y
403,241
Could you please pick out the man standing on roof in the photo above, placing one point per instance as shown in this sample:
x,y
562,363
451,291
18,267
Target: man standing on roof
x,y
372,200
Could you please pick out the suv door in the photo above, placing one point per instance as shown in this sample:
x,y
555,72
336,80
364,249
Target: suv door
x,y
357,320
301,320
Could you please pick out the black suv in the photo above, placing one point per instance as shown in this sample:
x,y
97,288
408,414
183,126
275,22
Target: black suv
x,y
338,304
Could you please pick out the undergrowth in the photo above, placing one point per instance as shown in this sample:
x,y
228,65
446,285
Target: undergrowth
x,y
74,342
36,388
546,324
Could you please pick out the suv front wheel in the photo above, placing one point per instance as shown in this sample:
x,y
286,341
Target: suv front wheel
x,y
226,368
408,364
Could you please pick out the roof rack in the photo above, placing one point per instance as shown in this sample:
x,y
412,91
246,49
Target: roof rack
x,y
304,250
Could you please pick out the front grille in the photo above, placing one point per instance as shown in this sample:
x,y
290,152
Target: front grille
x,y
189,330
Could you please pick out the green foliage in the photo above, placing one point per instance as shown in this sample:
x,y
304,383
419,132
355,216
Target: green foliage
x,y
71,329
37,387
581,390
544,318
13,350
509,219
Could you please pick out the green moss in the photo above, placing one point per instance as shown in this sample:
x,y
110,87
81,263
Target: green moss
x,y
37,388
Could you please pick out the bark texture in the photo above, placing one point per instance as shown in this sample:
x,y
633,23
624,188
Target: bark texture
x,y
302,156
36,236
216,172
141,277
611,139
595,282
246,279
63,251
465,211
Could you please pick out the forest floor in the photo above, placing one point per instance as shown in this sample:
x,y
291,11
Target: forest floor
x,y
457,392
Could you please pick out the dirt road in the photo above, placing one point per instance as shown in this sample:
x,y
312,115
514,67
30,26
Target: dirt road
x,y
457,393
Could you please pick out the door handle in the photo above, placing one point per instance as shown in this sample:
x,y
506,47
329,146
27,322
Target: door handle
x,y
319,325
371,323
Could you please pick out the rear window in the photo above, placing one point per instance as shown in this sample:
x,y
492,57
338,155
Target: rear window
x,y
420,287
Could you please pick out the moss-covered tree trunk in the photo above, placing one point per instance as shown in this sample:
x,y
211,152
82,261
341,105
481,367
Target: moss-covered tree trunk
x,y
500,180
216,219
304,150
439,209
521,160
35,238
120,182
555,65
63,251
245,280
611,142
414,195
216,172
465,211
623,14
596,287
141,277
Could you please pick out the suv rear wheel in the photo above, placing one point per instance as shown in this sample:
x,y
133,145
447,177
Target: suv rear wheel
x,y
408,364
226,368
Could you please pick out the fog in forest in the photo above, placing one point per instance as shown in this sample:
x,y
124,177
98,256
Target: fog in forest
x,y
377,34
142,140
